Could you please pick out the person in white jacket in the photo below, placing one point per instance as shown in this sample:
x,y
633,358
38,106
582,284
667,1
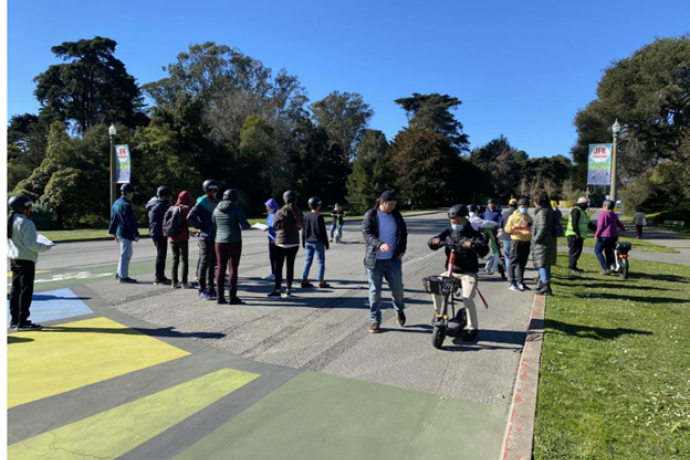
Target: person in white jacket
x,y
479,225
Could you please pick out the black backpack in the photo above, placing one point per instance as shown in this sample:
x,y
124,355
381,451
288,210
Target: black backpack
x,y
557,230
172,222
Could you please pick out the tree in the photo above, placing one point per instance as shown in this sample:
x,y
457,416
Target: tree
x,y
503,163
433,112
344,116
371,171
91,87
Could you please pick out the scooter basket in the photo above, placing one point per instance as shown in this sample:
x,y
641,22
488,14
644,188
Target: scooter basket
x,y
441,285
623,247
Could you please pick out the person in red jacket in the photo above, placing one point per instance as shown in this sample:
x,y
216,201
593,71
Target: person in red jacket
x,y
180,243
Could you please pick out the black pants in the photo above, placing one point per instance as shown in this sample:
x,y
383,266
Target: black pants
x,y
574,250
272,256
23,273
161,243
519,253
281,255
180,249
207,264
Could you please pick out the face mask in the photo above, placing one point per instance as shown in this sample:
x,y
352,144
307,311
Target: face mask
x,y
457,228
523,210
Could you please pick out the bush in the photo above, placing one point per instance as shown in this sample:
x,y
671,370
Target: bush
x,y
43,218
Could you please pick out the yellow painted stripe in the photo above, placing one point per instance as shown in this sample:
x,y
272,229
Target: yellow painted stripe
x,y
115,432
69,356
38,272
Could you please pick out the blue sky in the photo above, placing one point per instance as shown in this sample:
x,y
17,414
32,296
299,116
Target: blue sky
x,y
521,68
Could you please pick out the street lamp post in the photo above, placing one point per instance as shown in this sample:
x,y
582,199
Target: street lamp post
x,y
616,128
113,193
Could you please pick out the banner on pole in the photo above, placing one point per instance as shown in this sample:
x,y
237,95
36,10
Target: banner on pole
x,y
599,164
123,165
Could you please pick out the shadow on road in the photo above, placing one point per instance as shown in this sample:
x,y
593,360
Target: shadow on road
x,y
166,332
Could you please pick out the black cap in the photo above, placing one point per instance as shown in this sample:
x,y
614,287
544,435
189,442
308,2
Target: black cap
x,y
388,195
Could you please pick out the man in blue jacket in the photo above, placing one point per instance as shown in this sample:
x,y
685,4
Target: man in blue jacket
x,y
124,228
157,208
201,218
492,212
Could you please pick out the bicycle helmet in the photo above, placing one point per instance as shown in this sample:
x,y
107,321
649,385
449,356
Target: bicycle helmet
x,y
459,210
210,184
474,208
163,190
19,203
290,196
231,195
127,188
314,202
523,201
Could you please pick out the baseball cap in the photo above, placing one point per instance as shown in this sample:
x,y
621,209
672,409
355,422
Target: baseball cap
x,y
388,195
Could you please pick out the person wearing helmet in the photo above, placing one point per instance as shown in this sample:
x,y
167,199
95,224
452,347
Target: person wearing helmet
x,y
506,240
201,218
157,207
576,233
228,223
124,228
337,224
22,250
271,209
519,228
385,235
469,245
287,223
606,236
314,241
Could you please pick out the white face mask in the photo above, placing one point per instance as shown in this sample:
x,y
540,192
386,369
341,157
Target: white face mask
x,y
457,228
523,210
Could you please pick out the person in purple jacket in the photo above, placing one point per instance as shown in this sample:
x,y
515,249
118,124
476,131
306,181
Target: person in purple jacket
x,y
606,236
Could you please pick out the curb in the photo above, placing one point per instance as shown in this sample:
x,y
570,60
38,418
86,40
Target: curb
x,y
519,438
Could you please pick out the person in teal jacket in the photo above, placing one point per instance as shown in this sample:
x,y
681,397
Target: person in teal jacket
x,y
228,222
22,250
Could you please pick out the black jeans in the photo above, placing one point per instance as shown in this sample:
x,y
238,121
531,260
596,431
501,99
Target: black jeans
x,y
207,264
180,249
161,243
272,256
574,250
23,273
519,253
281,255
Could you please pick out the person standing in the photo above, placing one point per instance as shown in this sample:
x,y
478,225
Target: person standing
x,y
22,250
180,243
385,235
337,223
544,241
271,208
606,236
228,223
288,222
201,218
314,241
639,220
124,228
506,239
492,212
157,208
519,227
576,232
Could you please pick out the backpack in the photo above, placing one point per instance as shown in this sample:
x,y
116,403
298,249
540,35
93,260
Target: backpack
x,y
172,222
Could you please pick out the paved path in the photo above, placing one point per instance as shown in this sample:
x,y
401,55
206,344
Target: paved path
x,y
298,378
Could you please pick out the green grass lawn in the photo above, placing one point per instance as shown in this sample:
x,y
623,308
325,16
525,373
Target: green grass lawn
x,y
615,371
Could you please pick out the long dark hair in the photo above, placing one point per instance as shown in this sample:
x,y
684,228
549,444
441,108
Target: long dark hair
x,y
10,218
541,198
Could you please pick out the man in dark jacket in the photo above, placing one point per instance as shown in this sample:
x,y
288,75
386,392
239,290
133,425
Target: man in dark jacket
x,y
124,228
469,245
157,208
201,218
385,234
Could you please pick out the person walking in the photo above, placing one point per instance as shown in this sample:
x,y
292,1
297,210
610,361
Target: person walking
x,y
606,236
385,235
639,220
124,228
180,243
544,241
314,241
576,232
22,250
157,208
271,208
337,223
228,223
506,239
201,218
519,227
287,223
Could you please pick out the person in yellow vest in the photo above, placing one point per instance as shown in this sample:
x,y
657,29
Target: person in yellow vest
x,y
519,228
578,224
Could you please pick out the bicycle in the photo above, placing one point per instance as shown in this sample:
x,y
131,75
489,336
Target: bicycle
x,y
622,266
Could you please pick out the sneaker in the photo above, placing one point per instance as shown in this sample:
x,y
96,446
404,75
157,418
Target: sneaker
x,y
117,277
576,271
187,286
275,296
29,326
221,301
212,293
270,277
203,295
287,294
401,318
523,287
324,285
545,290
306,284
374,327
514,287
235,301
470,336
127,280
160,283
605,272
176,285
14,325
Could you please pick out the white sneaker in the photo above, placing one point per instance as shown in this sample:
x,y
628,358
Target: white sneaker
x,y
485,273
270,277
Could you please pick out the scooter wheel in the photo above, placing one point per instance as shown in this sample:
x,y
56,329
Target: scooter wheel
x,y
623,269
502,271
438,337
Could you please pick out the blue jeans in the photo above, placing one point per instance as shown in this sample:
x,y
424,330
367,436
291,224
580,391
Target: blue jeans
x,y
392,271
545,274
506,257
320,250
126,251
605,246
340,231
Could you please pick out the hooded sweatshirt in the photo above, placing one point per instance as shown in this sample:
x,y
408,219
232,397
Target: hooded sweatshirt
x,y
273,204
156,208
184,201
201,218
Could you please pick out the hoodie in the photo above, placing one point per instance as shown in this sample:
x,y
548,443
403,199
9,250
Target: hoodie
x,y
156,208
184,201
201,218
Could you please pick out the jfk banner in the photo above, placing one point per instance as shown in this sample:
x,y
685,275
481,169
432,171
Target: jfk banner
x,y
123,165
599,164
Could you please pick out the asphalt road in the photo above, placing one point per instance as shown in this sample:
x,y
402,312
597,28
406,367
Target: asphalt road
x,y
326,330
